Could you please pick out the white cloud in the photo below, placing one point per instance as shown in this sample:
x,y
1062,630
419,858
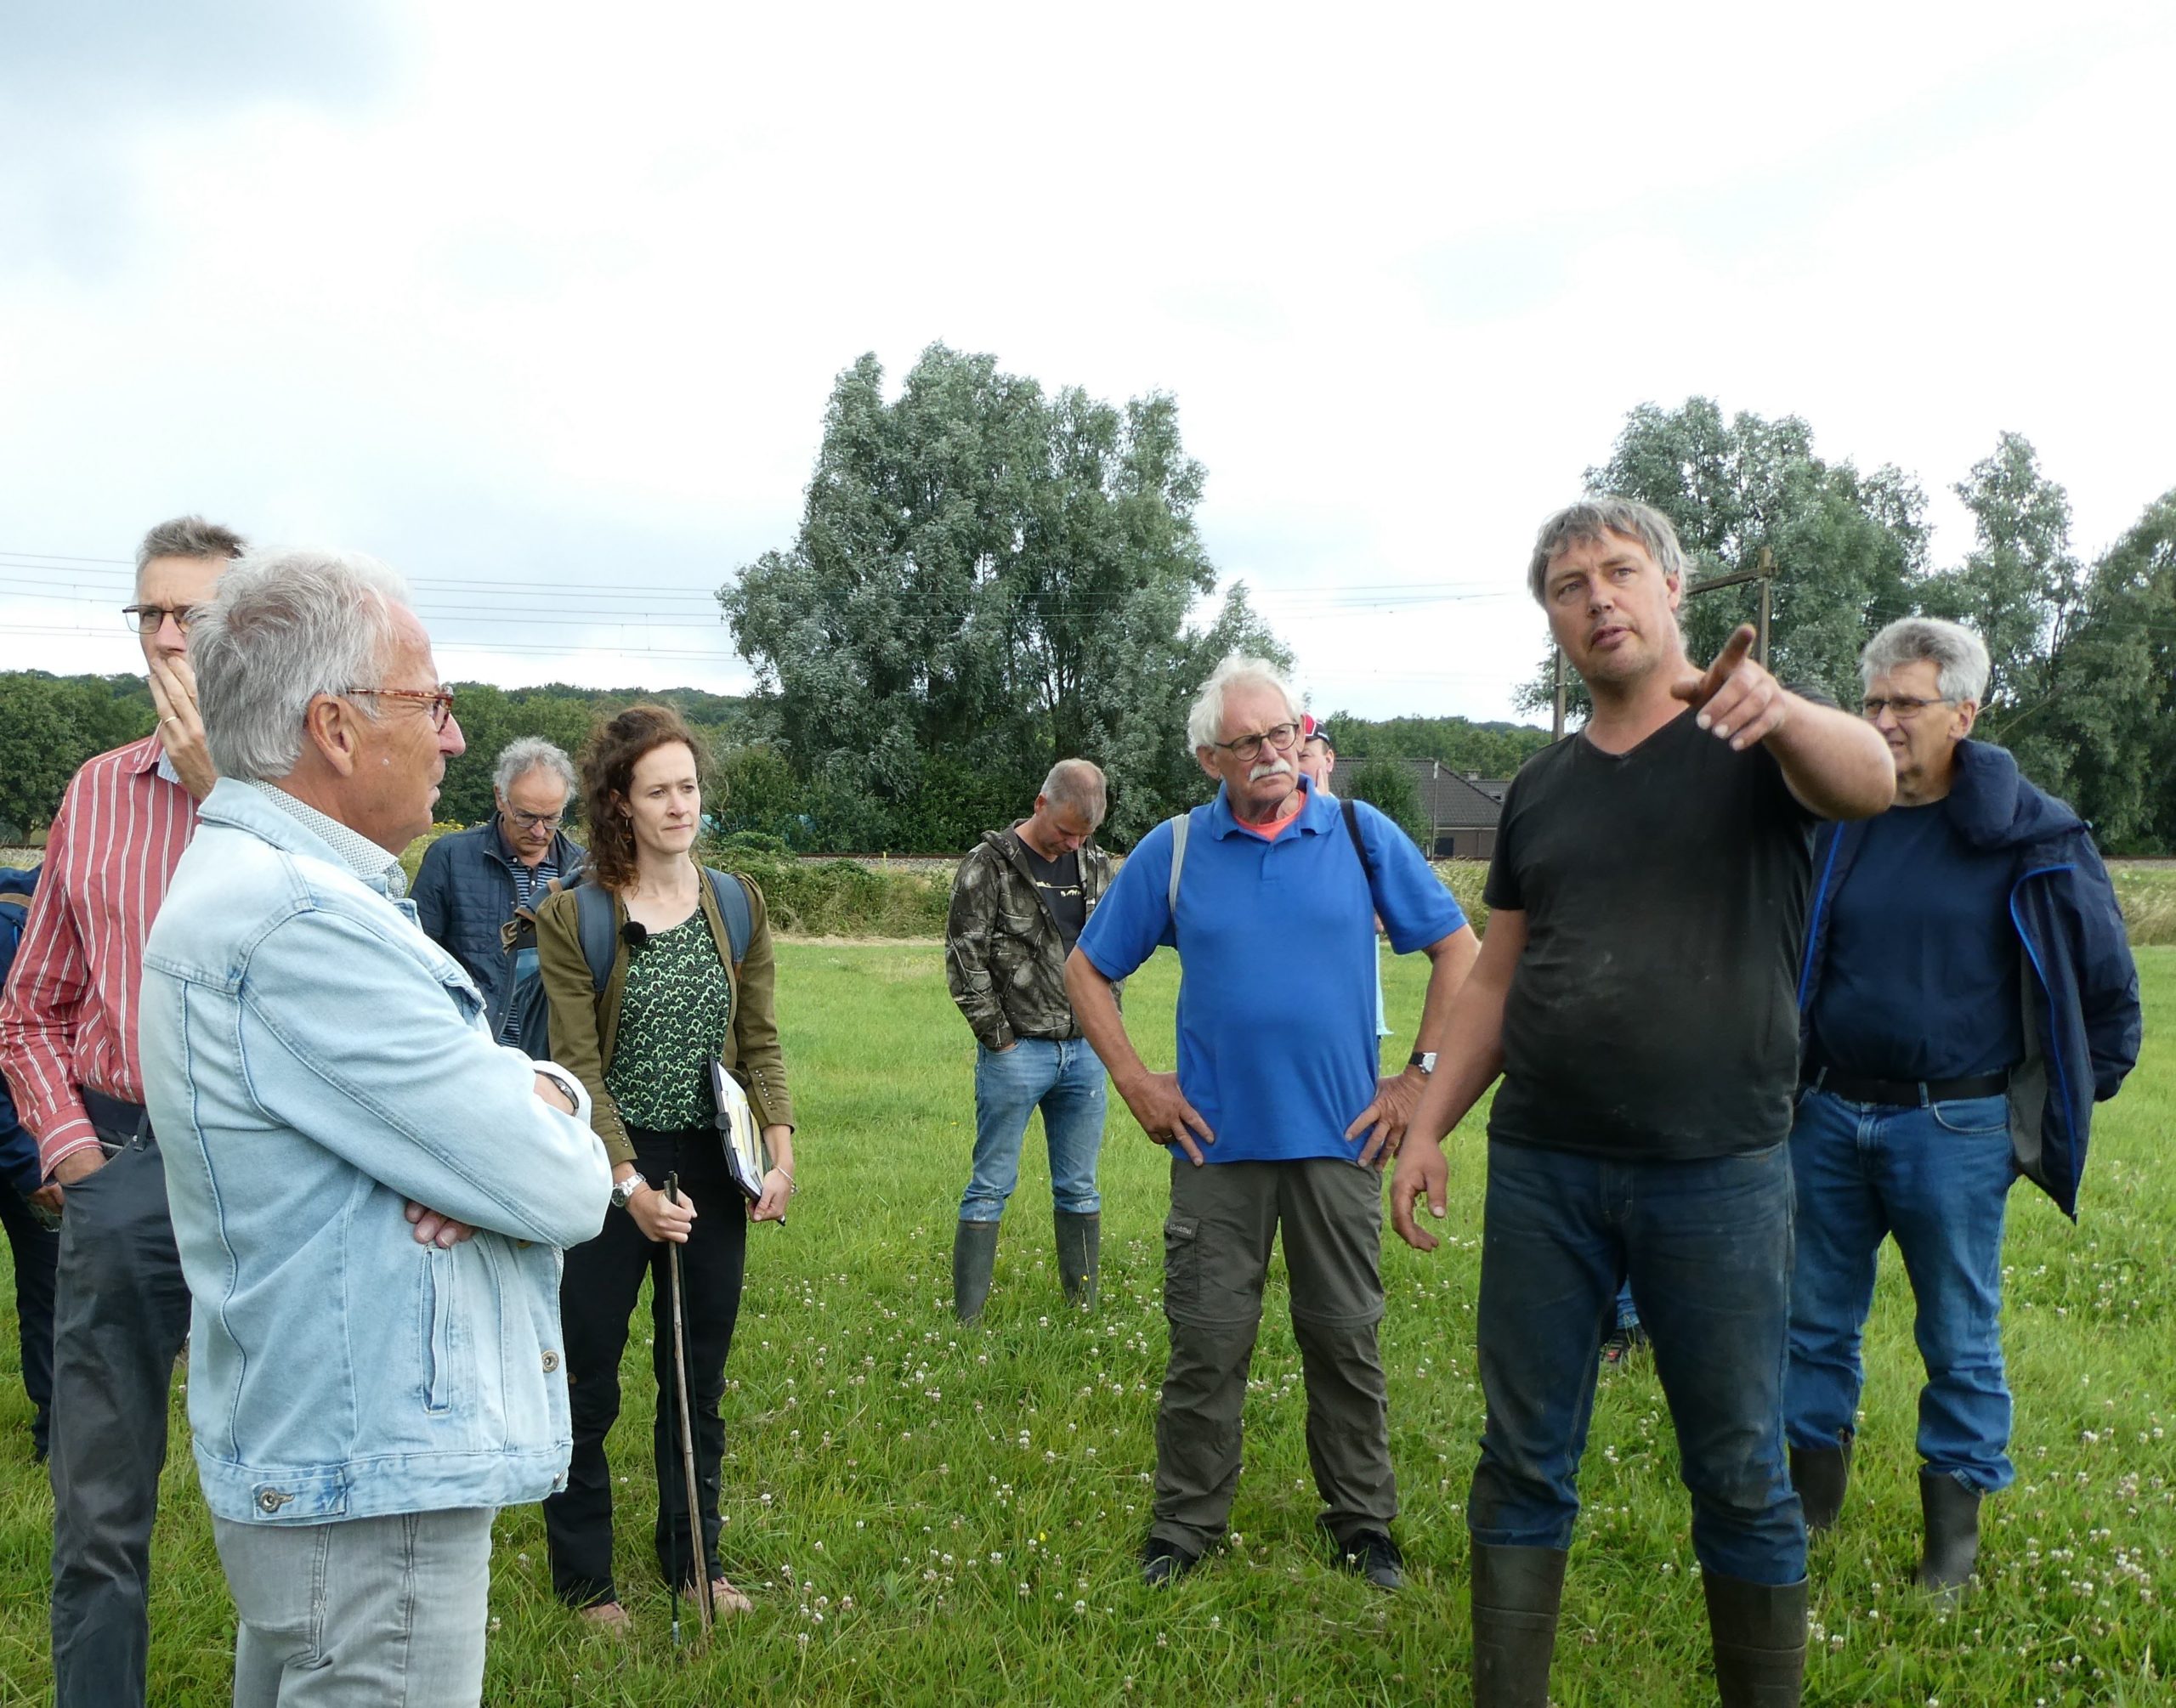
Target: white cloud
x,y
530,296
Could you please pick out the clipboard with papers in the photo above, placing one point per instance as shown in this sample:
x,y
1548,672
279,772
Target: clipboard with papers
x,y
746,1156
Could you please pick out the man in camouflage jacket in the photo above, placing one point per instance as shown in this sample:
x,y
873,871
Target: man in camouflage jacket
x,y
1018,903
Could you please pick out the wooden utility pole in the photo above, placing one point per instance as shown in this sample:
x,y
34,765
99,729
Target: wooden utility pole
x,y
1763,572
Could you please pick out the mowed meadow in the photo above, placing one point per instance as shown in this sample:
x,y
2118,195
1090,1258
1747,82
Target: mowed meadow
x,y
928,1513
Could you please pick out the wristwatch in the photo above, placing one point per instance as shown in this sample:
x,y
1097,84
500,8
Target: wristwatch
x,y
623,1190
1425,1060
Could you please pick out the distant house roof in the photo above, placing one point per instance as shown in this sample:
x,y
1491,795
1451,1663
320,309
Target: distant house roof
x,y
1449,800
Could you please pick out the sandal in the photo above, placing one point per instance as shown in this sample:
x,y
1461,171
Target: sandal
x,y
606,1616
725,1598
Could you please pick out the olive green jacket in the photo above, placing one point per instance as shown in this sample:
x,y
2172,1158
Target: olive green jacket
x,y
586,1024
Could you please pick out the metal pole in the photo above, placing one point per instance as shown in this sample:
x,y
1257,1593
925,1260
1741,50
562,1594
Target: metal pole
x,y
1556,728
686,1428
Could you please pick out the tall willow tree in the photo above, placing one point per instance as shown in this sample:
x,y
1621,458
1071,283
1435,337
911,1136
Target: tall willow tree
x,y
986,578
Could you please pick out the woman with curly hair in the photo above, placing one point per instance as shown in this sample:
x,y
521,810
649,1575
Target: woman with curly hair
x,y
675,1002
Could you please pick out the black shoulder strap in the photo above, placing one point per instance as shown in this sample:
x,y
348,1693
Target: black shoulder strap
x,y
1359,844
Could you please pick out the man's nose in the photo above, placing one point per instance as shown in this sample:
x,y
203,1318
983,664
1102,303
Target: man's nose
x,y
451,742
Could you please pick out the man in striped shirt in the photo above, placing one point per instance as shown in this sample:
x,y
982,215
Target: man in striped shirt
x,y
68,1048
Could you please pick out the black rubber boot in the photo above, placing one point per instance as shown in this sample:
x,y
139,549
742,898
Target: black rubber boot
x,y
1516,1594
1820,1474
974,1255
1951,1511
1080,1241
1757,1630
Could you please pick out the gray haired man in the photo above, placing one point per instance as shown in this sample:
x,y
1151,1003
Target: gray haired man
x,y
369,1195
1018,904
471,882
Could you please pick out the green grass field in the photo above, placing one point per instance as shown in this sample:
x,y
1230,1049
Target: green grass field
x,y
928,1514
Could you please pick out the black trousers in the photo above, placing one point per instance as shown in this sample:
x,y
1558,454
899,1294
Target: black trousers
x,y
597,1296
36,1249
120,1313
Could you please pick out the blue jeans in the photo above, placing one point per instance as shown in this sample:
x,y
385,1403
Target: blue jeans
x,y
1936,1177
1707,1246
1066,1081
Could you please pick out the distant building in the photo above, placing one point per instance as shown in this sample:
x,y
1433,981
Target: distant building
x,y
1461,808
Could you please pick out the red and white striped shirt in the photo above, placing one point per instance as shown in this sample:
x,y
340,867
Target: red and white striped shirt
x,y
68,1016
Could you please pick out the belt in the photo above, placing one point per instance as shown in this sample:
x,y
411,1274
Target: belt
x,y
1907,1094
115,1122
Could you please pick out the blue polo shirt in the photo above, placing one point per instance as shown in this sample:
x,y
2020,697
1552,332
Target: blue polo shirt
x,y
1276,965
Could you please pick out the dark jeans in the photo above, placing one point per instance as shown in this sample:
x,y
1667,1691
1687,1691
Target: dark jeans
x,y
37,1250
120,1313
1937,1178
1707,1246
1216,1245
597,1296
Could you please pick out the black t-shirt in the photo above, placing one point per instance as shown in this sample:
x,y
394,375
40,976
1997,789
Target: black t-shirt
x,y
1058,883
1653,1015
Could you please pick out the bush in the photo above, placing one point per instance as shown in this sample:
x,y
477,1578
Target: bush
x,y
836,898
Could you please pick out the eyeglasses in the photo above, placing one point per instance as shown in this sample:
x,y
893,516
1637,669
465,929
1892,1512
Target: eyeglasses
x,y
440,700
147,619
536,821
1904,706
1248,747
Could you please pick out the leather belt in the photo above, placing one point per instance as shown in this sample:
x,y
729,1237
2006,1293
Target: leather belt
x,y
1908,1094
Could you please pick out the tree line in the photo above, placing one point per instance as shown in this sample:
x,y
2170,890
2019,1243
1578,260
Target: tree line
x,y
2083,651
988,577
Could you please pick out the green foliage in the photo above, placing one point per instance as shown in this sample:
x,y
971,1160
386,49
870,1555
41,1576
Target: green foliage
x,y
1846,545
1489,750
836,898
49,726
1388,786
904,1478
987,578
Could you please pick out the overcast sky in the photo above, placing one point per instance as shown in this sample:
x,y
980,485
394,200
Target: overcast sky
x,y
541,303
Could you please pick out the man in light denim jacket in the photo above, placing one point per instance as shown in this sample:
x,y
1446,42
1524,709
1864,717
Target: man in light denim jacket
x,y
369,1195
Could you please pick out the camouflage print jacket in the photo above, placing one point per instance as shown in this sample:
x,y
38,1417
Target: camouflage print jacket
x,y
1004,959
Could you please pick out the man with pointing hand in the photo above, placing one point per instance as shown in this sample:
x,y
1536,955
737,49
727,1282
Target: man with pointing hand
x,y
1277,1117
1648,906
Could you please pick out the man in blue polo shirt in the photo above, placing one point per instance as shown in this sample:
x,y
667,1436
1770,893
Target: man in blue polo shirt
x,y
1276,1116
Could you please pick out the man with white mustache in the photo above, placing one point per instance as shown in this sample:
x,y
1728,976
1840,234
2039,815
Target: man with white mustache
x,y
1275,1118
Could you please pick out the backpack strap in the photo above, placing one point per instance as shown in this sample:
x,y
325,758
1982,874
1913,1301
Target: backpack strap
x,y
735,908
594,921
1181,825
1351,813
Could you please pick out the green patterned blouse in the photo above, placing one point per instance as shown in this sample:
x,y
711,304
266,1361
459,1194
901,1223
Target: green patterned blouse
x,y
673,1019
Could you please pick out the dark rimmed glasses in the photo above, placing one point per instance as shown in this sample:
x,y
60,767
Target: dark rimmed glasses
x,y
1248,748
148,619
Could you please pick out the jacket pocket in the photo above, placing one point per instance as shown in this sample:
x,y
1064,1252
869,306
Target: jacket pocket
x,y
437,1331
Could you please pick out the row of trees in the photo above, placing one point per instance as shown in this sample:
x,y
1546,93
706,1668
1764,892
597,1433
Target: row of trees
x,y
2084,653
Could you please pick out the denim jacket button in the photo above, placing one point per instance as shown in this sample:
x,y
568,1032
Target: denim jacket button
x,y
551,1362
272,1500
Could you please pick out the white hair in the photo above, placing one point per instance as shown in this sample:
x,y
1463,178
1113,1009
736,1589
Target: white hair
x,y
1205,723
1959,655
517,759
285,627
1078,783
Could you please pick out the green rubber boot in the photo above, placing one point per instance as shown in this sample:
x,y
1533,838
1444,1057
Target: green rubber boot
x,y
1079,1240
974,1255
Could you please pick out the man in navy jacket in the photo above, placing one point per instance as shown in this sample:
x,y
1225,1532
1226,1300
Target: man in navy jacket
x,y
471,882
1968,995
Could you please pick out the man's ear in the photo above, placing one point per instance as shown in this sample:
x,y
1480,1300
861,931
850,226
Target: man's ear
x,y
1202,757
1967,714
329,726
